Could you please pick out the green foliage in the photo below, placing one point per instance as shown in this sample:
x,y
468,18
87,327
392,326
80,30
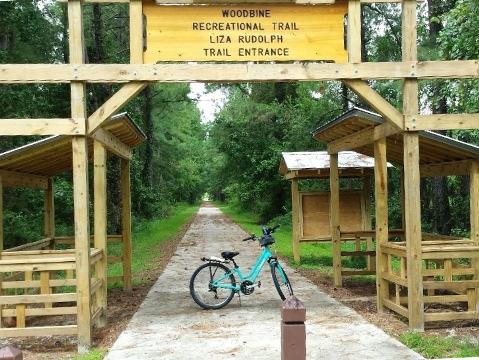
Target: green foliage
x,y
94,354
433,347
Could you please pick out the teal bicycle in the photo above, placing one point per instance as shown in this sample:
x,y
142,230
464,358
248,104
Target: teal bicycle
x,y
213,284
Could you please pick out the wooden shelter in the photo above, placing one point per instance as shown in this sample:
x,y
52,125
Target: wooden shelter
x,y
422,268
311,209
42,279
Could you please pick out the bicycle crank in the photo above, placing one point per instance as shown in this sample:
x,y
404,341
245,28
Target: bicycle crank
x,y
247,287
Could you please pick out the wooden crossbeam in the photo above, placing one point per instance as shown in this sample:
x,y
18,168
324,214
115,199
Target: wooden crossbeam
x,y
381,105
70,126
441,122
118,73
15,179
112,143
114,104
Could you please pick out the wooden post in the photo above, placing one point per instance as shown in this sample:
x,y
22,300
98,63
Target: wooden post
x,y
382,223
474,203
334,220
100,235
80,182
1,247
293,329
49,215
295,219
126,223
354,31
367,222
412,200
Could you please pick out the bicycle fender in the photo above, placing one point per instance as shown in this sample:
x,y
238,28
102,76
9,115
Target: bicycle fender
x,y
215,259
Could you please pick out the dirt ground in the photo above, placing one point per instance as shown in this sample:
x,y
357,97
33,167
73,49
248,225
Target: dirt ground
x,y
356,294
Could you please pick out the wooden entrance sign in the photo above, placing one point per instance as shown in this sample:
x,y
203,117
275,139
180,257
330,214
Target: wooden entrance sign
x,y
259,32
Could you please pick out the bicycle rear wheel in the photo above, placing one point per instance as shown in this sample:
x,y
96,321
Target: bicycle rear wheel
x,y
207,295
281,281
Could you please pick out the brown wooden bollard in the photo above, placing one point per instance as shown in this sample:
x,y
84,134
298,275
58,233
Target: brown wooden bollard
x,y
11,353
293,329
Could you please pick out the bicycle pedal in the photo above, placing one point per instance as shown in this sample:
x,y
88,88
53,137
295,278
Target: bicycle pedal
x,y
259,284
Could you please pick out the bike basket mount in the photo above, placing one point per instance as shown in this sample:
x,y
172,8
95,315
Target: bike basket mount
x,y
266,240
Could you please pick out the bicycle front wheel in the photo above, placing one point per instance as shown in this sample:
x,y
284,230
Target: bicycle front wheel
x,y
281,281
205,293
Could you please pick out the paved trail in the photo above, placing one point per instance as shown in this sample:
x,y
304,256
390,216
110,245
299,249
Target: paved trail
x,y
169,325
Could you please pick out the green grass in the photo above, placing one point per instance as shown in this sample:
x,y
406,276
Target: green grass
x,y
318,256
436,347
146,240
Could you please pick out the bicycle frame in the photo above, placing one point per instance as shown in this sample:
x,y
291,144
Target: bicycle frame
x,y
265,256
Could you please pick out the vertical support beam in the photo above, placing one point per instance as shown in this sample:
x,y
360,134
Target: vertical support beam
x,y
382,222
367,220
49,213
334,220
126,223
295,219
80,182
1,247
136,32
100,235
354,31
412,193
474,199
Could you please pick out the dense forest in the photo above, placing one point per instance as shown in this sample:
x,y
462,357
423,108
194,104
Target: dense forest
x,y
235,156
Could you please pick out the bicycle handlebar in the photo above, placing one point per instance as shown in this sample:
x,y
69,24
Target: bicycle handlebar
x,y
266,231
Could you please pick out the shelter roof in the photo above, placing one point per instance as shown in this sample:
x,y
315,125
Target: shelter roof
x,y
315,164
53,155
434,148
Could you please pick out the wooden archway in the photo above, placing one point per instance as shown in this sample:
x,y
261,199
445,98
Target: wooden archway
x,y
136,76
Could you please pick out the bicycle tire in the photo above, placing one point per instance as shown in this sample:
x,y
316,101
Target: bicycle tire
x,y
280,280
204,294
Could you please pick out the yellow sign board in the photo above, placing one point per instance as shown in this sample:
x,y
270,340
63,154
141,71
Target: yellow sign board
x,y
245,32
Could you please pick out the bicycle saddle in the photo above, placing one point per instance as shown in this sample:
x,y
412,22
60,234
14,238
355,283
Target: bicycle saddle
x,y
229,255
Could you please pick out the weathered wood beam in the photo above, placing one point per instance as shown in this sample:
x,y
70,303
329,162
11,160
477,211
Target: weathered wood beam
x,y
441,122
371,97
449,168
70,126
15,179
296,219
126,223
117,73
114,104
334,220
112,143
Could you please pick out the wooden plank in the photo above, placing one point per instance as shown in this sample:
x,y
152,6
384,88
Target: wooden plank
x,y
376,101
441,122
100,224
357,272
382,222
20,315
112,143
401,310
15,179
37,267
49,212
451,316
444,299
34,331
10,127
36,299
113,105
457,285
7,284
450,168
126,223
295,202
352,141
120,73
474,219
137,44
354,32
70,310
335,219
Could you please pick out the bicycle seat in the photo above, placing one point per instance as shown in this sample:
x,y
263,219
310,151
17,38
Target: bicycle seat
x,y
229,255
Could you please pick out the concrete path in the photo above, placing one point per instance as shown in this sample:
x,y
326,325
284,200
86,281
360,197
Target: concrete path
x,y
169,325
